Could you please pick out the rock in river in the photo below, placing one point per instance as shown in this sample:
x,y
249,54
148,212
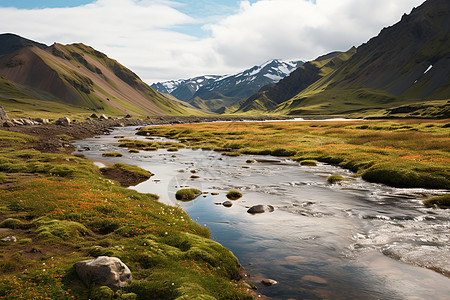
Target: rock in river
x,y
227,203
259,209
268,282
104,270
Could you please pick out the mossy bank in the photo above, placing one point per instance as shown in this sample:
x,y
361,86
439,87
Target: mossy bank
x,y
61,211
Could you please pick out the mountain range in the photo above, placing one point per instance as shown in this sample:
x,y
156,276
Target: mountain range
x,y
403,71
74,77
215,93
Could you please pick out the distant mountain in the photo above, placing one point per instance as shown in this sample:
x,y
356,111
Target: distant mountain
x,y
216,92
402,69
298,80
184,89
75,75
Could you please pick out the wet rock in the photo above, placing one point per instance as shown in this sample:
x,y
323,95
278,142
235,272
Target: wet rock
x,y
104,270
268,282
127,116
227,203
94,116
9,239
259,209
63,121
103,117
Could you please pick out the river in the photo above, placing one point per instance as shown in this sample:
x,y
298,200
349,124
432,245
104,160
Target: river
x,y
354,240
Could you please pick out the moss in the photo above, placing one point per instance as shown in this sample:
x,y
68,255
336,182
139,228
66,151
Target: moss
x,y
283,152
249,161
112,154
2,178
231,153
133,151
308,162
234,195
195,176
66,230
439,201
172,149
102,293
13,224
406,175
131,170
335,179
187,194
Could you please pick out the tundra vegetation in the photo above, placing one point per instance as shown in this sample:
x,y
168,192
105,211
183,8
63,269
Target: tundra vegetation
x,y
61,211
399,153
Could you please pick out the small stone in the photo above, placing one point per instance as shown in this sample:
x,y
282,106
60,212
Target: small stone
x,y
9,239
268,282
227,203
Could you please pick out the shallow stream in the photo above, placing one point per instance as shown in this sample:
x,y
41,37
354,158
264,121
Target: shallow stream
x,y
354,240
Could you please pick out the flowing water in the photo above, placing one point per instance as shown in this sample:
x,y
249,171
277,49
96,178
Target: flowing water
x,y
354,240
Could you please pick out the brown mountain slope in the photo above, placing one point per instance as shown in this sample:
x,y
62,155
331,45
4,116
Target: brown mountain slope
x,y
79,75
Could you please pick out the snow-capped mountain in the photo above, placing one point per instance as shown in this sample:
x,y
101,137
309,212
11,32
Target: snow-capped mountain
x,y
184,89
233,87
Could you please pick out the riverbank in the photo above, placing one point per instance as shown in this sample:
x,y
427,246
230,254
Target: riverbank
x,y
399,153
57,209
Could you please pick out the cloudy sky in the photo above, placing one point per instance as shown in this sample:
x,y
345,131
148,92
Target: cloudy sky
x,y
173,39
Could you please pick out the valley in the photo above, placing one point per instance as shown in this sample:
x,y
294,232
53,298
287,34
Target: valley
x,y
326,178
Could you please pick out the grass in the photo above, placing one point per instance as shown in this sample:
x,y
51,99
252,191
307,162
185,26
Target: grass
x,y
112,154
60,218
400,153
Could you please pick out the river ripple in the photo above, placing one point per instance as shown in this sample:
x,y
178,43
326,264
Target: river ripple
x,y
355,240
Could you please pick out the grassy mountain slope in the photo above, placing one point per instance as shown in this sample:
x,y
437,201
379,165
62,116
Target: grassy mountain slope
x,y
300,79
407,63
78,76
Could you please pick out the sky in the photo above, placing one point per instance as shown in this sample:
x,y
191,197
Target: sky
x,y
173,39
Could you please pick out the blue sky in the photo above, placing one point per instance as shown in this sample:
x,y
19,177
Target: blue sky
x,y
172,39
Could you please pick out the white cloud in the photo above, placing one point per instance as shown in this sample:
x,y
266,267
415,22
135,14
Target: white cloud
x,y
141,33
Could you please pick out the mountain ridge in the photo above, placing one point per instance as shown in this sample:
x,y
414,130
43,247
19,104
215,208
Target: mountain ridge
x,y
78,75
219,91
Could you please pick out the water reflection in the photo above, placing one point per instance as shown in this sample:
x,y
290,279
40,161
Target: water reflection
x,y
346,241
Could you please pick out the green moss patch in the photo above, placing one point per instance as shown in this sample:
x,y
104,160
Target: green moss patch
x,y
187,194
308,162
126,175
112,154
439,201
234,195
335,179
